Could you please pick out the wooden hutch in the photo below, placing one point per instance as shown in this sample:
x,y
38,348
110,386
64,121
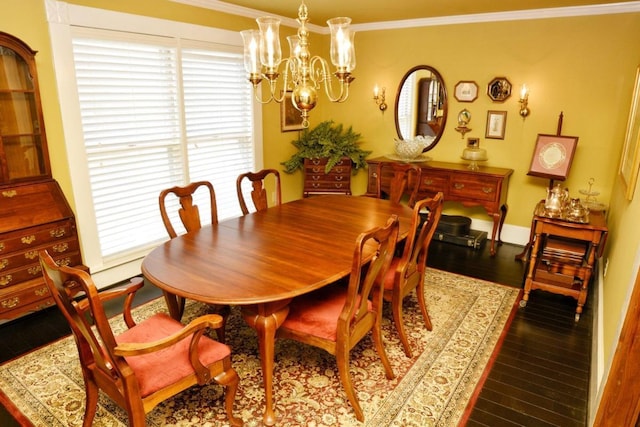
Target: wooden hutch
x,y
34,213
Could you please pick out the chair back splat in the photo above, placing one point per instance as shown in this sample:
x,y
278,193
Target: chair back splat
x,y
190,217
258,192
139,383
408,270
337,316
189,213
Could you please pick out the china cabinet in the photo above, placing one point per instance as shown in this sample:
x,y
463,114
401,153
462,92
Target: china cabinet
x,y
34,213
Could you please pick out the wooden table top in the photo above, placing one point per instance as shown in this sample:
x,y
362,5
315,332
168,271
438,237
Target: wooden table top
x,y
274,255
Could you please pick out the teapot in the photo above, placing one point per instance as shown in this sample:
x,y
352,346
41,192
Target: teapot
x,y
557,198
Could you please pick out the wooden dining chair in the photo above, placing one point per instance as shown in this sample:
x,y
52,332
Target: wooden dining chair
x,y
189,215
407,271
405,181
336,317
146,364
258,193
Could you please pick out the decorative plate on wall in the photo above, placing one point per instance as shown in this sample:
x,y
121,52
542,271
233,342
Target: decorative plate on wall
x,y
499,89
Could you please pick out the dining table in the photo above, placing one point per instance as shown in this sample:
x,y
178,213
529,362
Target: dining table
x,y
261,261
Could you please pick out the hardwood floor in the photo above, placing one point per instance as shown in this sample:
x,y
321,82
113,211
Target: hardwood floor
x,y
540,377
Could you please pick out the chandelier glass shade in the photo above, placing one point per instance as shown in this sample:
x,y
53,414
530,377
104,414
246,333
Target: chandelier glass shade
x,y
302,74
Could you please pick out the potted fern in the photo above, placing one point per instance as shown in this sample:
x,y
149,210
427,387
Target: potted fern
x,y
327,141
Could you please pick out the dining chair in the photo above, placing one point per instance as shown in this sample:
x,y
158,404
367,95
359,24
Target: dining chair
x,y
189,215
146,364
258,193
407,271
336,317
405,180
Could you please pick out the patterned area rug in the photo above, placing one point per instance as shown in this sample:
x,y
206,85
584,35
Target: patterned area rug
x,y
431,389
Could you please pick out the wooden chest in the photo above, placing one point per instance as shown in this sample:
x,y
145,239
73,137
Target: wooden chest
x,y
33,216
317,181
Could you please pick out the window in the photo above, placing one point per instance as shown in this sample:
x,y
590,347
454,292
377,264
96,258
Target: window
x,y
153,111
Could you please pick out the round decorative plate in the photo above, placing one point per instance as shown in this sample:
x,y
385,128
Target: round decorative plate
x,y
552,155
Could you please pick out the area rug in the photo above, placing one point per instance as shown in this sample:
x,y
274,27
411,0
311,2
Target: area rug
x,y
431,389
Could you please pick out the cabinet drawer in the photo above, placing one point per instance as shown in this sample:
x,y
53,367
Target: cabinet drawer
x,y
18,258
324,186
23,298
474,187
34,271
33,237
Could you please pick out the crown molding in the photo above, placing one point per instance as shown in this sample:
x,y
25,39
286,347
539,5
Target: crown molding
x,y
519,15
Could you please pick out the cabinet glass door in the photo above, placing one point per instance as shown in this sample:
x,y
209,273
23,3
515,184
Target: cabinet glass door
x,y
23,153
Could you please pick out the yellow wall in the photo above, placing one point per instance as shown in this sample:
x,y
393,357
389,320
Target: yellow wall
x,y
582,66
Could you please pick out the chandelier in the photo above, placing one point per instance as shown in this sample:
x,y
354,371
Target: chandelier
x,y
302,75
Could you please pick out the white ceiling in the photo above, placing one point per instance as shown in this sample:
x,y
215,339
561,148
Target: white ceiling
x,y
376,11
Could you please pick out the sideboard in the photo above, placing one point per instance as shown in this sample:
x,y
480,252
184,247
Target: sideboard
x,y
485,186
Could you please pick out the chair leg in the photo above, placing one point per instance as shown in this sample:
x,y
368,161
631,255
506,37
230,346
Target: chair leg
x,y
379,345
342,360
396,308
423,305
229,380
91,392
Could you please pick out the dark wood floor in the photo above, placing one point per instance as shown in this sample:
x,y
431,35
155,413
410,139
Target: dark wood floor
x,y
540,377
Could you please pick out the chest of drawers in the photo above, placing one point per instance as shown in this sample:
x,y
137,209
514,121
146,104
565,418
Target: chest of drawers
x,y
317,181
33,216
486,186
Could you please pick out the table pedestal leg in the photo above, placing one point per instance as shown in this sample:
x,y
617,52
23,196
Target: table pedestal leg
x,y
265,319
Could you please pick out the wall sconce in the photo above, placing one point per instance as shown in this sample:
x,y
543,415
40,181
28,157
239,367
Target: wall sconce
x,y
524,101
378,97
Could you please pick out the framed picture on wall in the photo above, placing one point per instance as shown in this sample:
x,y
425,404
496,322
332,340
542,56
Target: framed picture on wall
x,y
630,160
496,123
552,156
290,117
466,91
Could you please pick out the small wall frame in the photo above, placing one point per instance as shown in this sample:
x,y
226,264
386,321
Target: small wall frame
x,y
496,124
466,91
552,156
499,89
290,118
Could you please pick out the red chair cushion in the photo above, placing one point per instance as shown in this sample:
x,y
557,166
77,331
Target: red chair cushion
x,y
160,369
317,313
389,278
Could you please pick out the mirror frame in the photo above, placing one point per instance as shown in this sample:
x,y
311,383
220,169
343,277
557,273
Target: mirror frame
x,y
445,102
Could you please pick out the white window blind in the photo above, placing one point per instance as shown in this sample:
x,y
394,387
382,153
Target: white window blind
x,y
406,103
158,112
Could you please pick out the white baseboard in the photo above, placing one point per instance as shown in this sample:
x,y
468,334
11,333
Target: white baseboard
x,y
515,234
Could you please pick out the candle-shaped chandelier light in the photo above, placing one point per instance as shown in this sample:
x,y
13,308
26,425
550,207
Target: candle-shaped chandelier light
x,y
302,74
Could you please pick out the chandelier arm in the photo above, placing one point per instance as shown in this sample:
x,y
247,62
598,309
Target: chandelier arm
x,y
321,75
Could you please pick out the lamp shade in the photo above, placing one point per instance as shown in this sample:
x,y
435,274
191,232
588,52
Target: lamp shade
x,y
342,48
270,51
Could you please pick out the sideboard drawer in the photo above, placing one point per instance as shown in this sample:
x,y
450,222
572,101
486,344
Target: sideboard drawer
x,y
433,183
475,187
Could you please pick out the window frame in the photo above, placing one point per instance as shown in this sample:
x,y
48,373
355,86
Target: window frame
x,y
62,19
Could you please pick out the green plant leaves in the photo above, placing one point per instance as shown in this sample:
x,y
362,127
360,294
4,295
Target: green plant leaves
x,y
330,141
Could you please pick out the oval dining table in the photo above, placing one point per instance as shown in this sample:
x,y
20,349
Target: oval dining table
x,y
262,260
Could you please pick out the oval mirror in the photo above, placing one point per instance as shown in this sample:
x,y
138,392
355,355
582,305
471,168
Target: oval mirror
x,y
421,105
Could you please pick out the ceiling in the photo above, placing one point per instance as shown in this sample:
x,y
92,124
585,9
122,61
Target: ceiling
x,y
372,11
